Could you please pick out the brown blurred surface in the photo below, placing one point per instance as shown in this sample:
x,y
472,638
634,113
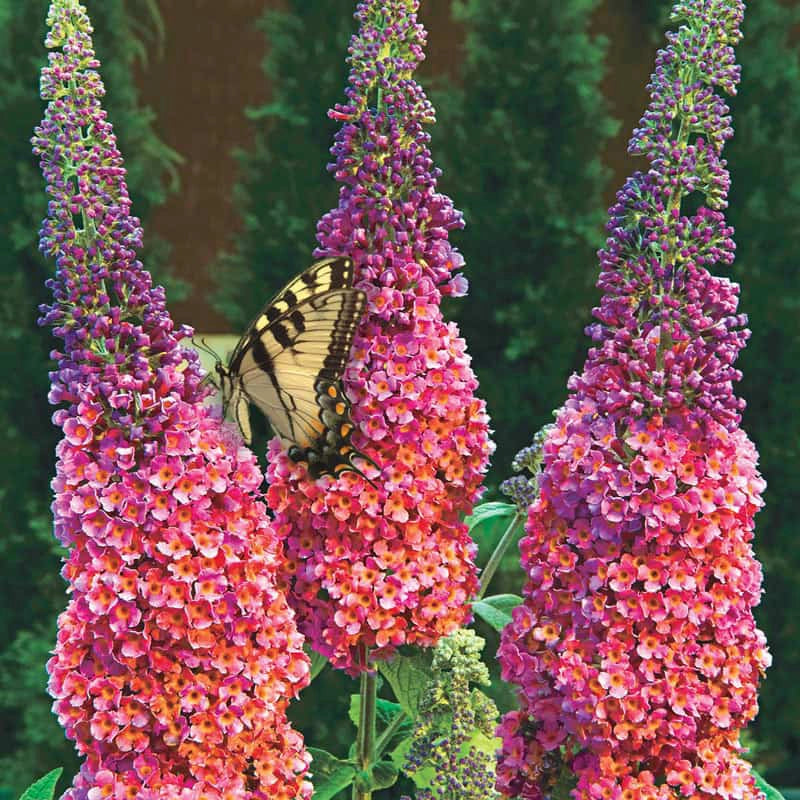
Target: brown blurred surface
x,y
211,70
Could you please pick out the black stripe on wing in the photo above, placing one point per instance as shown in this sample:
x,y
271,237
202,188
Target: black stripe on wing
x,y
327,321
326,275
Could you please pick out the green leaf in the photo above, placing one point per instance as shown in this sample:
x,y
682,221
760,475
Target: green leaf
x,y
496,610
329,774
383,774
408,676
318,662
770,791
44,788
486,525
385,711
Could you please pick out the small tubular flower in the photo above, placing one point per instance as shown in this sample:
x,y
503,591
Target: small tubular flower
x,y
177,653
635,651
383,565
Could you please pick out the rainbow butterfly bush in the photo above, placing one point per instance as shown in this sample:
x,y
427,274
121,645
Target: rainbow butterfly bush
x,y
635,651
371,568
177,653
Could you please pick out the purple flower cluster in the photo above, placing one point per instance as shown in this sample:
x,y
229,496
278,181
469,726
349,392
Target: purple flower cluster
x,y
177,654
635,651
373,567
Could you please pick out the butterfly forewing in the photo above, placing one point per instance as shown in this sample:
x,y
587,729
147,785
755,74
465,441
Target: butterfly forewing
x,y
324,276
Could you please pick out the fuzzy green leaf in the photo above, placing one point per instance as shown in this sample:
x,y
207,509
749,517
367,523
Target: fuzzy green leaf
x,y
44,788
496,610
329,774
385,711
318,662
486,525
382,775
408,676
770,791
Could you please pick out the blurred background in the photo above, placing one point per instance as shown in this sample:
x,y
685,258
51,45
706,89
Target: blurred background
x,y
220,109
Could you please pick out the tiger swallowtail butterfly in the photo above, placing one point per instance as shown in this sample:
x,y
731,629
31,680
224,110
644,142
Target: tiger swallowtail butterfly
x,y
289,364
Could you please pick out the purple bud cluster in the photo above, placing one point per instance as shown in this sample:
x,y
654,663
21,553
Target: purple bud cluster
x,y
114,323
522,489
451,743
668,333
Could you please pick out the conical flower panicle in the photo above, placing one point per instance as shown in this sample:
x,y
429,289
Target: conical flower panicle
x,y
380,566
635,651
177,654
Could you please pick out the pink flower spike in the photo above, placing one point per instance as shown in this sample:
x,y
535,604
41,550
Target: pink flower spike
x,y
409,379
637,618
156,502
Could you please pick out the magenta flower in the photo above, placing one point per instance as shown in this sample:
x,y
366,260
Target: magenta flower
x,y
379,566
177,654
635,651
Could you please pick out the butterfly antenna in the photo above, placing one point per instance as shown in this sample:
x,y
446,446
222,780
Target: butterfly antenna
x,y
210,378
206,348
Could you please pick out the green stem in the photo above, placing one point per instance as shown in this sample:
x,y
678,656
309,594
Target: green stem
x,y
499,552
365,743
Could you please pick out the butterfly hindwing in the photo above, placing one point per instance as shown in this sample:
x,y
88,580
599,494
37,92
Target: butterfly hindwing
x,y
290,361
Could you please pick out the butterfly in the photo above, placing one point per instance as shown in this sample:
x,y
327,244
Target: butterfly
x,y
289,364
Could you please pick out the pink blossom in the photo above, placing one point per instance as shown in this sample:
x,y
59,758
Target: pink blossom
x,y
172,561
409,380
647,646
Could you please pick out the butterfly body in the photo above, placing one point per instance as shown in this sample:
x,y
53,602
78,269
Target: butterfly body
x,y
289,364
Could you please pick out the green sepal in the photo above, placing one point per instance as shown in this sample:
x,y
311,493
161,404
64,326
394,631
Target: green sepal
x,y
329,774
44,788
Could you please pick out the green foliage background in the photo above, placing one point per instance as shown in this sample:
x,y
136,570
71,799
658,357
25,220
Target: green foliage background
x,y
764,159
520,139
31,590
521,134
284,187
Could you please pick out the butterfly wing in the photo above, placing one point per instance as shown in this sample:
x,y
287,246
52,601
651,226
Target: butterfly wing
x,y
290,361
287,363
327,275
